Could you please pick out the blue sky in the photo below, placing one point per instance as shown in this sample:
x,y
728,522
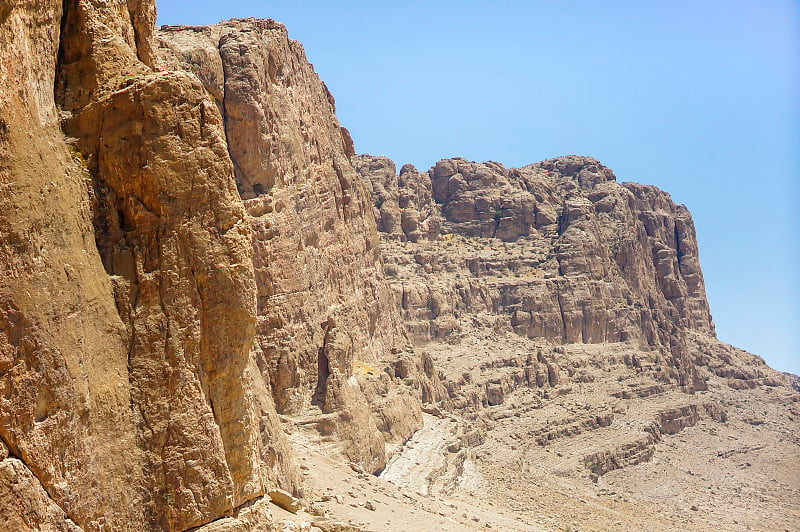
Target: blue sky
x,y
697,97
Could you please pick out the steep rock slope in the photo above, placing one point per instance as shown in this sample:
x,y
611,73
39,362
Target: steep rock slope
x,y
128,292
567,318
147,310
556,250
323,304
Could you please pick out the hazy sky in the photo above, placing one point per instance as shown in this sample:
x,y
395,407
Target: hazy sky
x,y
701,98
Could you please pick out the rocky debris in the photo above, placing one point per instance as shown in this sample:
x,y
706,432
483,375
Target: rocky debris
x,y
625,455
669,422
438,459
638,391
328,525
674,420
285,500
570,426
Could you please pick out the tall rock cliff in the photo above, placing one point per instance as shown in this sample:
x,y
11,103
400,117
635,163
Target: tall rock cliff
x,y
194,263
128,292
182,260
556,250
323,303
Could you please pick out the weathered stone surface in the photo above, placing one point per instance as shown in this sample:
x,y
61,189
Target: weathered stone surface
x,y
153,322
404,206
322,300
285,500
128,292
64,396
556,250
25,505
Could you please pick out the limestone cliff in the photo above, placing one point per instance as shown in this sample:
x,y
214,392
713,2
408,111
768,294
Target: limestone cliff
x,y
130,390
178,256
323,304
557,251
194,264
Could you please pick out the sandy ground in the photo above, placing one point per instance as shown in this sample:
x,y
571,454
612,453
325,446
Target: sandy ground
x,y
740,474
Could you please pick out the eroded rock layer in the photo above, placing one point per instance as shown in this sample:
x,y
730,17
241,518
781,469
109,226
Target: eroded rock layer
x,y
201,285
556,250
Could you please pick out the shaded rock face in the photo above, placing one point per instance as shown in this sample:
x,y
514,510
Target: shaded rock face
x,y
322,300
556,250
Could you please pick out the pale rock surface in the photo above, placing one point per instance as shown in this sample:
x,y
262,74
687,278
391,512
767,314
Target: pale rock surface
x,y
323,303
556,250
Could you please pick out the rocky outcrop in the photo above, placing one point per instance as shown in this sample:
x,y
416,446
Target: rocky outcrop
x,y
668,421
404,206
556,250
64,400
323,304
128,293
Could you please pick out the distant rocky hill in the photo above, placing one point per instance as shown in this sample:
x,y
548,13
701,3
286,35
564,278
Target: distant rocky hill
x,y
215,316
555,251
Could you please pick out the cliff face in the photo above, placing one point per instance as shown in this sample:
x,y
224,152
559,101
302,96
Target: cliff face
x,y
556,250
128,294
323,304
191,267
148,310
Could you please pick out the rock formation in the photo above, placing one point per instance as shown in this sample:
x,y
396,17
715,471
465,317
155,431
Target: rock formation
x,y
556,250
202,286
323,304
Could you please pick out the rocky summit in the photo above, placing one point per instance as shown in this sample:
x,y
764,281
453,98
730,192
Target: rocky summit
x,y
215,316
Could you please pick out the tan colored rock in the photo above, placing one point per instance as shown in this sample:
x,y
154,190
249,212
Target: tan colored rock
x,y
152,322
556,250
322,298
285,500
25,505
404,206
64,394
128,294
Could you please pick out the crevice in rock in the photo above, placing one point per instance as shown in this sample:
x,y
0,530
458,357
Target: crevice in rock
x,y
563,318
59,80
323,372
224,110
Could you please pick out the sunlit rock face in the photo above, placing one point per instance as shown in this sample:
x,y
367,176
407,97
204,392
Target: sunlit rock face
x,y
323,304
194,264
556,250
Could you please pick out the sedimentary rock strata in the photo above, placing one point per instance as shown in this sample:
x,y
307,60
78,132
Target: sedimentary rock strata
x,y
206,299
556,250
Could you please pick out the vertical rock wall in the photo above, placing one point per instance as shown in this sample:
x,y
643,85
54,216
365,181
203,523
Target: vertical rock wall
x,y
64,396
130,391
557,250
322,299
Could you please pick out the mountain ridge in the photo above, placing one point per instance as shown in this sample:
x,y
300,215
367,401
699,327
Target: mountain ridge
x,y
201,276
